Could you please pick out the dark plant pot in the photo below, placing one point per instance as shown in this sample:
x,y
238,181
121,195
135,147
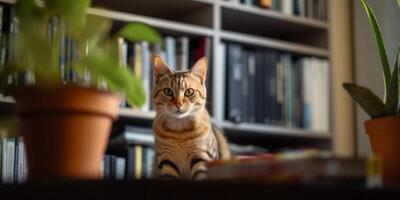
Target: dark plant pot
x,y
384,136
65,130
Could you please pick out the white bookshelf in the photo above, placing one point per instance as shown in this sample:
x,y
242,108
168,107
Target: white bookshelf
x,y
273,15
155,22
222,21
274,43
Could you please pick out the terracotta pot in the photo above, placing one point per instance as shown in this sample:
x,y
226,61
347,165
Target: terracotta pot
x,y
384,136
65,130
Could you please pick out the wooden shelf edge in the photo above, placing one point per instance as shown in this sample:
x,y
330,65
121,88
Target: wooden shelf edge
x,y
274,43
276,15
275,130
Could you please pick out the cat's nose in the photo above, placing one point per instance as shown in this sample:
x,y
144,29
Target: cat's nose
x,y
178,105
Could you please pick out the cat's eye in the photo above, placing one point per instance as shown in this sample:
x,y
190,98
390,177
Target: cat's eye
x,y
168,92
189,92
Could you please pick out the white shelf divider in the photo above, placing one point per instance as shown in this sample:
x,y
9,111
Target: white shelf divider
x,y
274,43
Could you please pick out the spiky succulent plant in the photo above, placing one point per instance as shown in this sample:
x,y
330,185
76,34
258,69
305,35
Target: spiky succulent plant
x,y
371,103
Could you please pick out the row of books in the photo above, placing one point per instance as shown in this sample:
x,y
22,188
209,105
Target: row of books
x,y
269,87
135,163
130,154
180,54
314,9
13,163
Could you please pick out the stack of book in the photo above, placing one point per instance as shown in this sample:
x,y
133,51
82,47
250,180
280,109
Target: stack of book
x,y
314,9
270,87
13,163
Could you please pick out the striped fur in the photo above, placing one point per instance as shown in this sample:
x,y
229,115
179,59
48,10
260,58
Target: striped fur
x,y
184,135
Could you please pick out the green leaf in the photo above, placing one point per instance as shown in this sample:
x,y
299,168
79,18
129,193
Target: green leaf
x,y
371,103
382,53
73,11
398,2
43,62
26,10
97,29
136,32
118,78
392,99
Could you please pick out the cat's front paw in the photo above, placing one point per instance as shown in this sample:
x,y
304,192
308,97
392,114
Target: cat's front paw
x,y
200,175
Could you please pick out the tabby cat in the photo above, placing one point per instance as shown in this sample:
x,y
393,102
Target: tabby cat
x,y
184,135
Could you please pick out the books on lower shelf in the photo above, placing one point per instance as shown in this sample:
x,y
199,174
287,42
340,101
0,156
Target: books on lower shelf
x,y
134,163
133,146
313,9
270,87
13,163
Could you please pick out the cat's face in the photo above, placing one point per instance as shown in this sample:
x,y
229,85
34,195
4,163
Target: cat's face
x,y
179,94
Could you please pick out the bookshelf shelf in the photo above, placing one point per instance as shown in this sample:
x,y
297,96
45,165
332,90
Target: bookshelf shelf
x,y
273,24
279,19
158,23
6,100
175,10
274,130
131,113
123,112
274,44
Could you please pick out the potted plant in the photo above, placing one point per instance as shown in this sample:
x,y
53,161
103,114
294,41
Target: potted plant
x,y
384,127
66,123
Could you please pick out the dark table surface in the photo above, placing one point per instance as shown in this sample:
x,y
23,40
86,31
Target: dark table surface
x,y
155,189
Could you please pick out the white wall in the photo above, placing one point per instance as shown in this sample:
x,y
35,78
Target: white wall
x,y
367,67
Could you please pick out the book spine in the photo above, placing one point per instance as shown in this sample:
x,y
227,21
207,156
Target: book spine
x,y
10,161
234,82
252,87
138,161
130,163
16,158
120,168
218,97
287,7
170,45
146,75
149,162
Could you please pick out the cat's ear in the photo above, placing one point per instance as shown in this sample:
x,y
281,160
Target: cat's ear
x,y
160,68
200,69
